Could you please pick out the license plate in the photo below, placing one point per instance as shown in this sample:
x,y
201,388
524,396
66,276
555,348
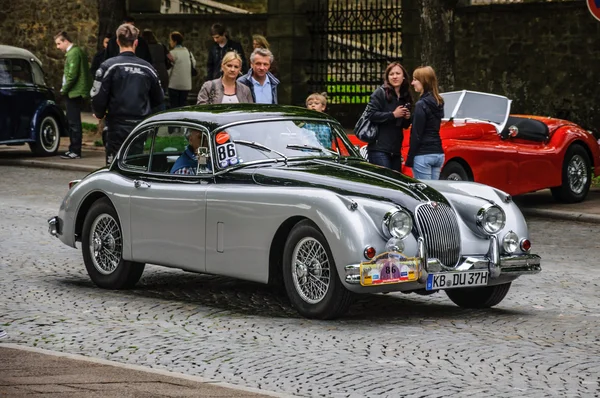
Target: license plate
x,y
449,280
389,268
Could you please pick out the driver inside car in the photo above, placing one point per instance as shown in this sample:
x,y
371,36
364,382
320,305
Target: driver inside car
x,y
188,162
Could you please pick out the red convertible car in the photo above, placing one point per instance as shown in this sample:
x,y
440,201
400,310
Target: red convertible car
x,y
484,143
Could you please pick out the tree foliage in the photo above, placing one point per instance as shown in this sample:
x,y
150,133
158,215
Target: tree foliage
x,y
111,14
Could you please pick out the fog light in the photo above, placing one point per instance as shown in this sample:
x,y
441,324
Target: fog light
x,y
394,245
525,245
370,252
510,242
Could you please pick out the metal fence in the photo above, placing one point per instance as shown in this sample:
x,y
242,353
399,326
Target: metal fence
x,y
352,42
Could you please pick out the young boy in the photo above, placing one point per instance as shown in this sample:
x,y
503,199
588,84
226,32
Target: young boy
x,y
318,102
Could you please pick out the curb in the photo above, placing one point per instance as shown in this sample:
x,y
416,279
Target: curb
x,y
140,368
562,215
46,164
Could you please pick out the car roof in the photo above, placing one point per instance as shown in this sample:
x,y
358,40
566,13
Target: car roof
x,y
222,114
16,52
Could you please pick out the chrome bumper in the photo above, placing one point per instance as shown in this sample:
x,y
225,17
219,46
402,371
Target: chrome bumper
x,y
496,264
54,226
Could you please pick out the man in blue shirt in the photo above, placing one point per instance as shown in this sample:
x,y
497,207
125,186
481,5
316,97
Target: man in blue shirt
x,y
261,82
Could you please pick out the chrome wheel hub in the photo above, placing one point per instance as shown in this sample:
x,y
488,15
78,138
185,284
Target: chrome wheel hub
x,y
106,244
577,174
49,134
311,270
454,177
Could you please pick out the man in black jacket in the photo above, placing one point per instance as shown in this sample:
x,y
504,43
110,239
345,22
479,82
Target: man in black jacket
x,y
119,85
142,50
216,52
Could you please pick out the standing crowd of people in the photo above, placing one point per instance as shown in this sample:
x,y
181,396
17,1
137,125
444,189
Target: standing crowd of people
x,y
133,72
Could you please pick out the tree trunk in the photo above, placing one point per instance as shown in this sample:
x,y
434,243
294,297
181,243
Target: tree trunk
x,y
437,39
111,14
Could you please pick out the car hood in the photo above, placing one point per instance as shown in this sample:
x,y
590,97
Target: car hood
x,y
351,178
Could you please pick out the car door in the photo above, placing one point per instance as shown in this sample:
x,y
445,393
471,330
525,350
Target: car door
x,y
6,93
167,211
27,98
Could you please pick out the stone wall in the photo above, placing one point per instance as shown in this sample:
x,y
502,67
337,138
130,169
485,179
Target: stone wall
x,y
255,6
544,56
32,24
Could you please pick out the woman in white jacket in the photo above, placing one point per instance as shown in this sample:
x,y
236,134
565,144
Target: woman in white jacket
x,y
180,74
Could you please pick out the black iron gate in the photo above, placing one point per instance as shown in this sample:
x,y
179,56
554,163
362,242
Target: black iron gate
x,y
352,41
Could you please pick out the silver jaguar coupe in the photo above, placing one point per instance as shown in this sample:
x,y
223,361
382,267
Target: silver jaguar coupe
x,y
279,195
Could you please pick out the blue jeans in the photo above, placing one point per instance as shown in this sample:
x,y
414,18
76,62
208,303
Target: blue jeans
x,y
428,167
385,159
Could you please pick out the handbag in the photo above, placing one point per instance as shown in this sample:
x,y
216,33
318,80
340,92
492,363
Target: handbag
x,y
365,130
194,71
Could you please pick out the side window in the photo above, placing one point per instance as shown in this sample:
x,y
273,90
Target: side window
x,y
21,71
176,151
137,154
5,77
38,74
168,146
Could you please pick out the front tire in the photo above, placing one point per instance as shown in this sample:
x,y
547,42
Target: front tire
x,y
454,171
311,279
47,139
478,297
102,247
576,178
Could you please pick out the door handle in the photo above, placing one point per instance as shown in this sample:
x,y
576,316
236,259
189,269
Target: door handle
x,y
140,184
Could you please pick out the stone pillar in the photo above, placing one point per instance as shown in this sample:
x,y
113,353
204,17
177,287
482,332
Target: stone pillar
x,y
289,36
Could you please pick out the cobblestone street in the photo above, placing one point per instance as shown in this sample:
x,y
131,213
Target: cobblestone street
x,y
542,340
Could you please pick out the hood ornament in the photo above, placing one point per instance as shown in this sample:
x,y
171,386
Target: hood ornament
x,y
433,205
418,185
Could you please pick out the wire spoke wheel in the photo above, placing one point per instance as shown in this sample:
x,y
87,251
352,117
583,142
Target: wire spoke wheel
x,y
106,244
577,174
311,271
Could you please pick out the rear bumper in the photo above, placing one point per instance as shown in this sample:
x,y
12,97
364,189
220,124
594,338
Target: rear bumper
x,y
502,269
54,226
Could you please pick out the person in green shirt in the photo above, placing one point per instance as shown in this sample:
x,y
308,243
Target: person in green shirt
x,y
76,85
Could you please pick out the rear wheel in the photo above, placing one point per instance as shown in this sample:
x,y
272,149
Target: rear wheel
x,y
47,138
454,171
478,297
310,276
102,247
576,176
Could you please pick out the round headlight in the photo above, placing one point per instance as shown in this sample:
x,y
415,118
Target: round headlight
x,y
397,223
510,243
491,219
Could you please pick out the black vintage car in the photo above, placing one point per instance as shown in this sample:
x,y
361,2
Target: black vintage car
x,y
28,110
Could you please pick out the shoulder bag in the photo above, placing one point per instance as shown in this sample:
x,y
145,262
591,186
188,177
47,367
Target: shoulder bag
x,y
365,130
194,71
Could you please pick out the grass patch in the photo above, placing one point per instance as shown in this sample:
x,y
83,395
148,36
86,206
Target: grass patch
x,y
89,127
595,181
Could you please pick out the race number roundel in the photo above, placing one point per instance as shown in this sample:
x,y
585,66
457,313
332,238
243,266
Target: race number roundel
x,y
594,7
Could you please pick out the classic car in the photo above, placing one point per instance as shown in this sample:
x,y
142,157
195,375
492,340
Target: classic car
x,y
279,195
518,154
28,110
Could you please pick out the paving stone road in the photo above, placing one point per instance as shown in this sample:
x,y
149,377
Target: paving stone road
x,y
542,340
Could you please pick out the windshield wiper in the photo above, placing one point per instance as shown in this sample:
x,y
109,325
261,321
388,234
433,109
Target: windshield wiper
x,y
311,148
261,147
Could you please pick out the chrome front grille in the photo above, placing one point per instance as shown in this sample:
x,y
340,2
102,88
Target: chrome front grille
x,y
439,229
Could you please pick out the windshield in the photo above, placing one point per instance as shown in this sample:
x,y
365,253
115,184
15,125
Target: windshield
x,y
492,108
284,139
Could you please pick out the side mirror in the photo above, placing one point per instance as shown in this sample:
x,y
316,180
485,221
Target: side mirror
x,y
202,153
513,131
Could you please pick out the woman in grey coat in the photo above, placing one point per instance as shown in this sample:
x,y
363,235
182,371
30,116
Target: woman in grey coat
x,y
226,90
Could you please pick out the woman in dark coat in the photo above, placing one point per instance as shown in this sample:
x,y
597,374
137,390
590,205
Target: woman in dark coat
x,y
159,54
425,153
390,110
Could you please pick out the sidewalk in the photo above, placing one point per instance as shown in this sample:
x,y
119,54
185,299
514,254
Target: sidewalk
x,y
26,371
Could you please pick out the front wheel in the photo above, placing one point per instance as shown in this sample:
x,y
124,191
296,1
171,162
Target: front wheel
x,y
47,138
454,171
102,247
478,297
310,276
576,178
